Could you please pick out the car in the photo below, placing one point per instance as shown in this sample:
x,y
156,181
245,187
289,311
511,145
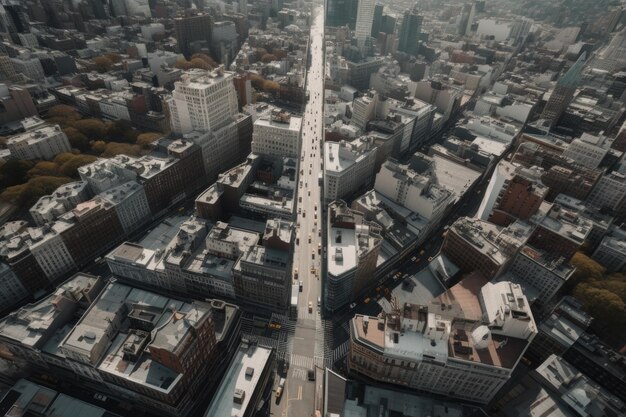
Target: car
x,y
279,389
367,300
295,273
430,259
352,305
312,254
311,375
309,238
310,307
319,302
309,194
414,258
301,286
304,213
275,326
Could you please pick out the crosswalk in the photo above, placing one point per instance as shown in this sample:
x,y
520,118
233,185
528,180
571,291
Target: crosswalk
x,y
341,351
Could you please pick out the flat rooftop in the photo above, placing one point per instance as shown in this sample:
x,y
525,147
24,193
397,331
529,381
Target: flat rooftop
x,y
241,381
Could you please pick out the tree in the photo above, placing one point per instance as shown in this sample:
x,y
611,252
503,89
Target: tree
x,y
44,168
608,310
62,158
260,52
193,63
70,167
279,53
122,131
269,58
205,58
77,139
92,128
98,146
64,111
145,139
586,270
270,86
25,195
103,64
14,172
115,148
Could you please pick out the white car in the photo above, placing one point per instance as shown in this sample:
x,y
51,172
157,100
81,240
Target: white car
x,y
352,306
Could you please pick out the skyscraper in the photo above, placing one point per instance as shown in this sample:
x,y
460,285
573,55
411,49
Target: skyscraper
x,y
341,13
378,20
203,101
192,28
563,93
409,32
364,20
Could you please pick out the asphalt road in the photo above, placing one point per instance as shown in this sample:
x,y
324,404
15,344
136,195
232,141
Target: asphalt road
x,y
307,351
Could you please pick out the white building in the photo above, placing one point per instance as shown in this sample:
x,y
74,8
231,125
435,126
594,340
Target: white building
x,y
363,109
42,143
29,66
11,289
416,192
131,204
608,192
138,8
347,166
463,344
148,31
203,101
277,135
104,174
364,20
588,150
50,251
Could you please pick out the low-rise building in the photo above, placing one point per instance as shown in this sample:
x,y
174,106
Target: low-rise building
x,y
127,341
463,344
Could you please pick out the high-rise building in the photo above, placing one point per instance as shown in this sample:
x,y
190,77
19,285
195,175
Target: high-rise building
x,y
409,32
353,248
563,93
192,28
461,344
364,20
476,245
202,101
277,134
263,274
347,167
11,289
43,143
514,192
608,192
378,20
341,13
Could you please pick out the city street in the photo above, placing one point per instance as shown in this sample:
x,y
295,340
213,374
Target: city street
x,y
307,344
